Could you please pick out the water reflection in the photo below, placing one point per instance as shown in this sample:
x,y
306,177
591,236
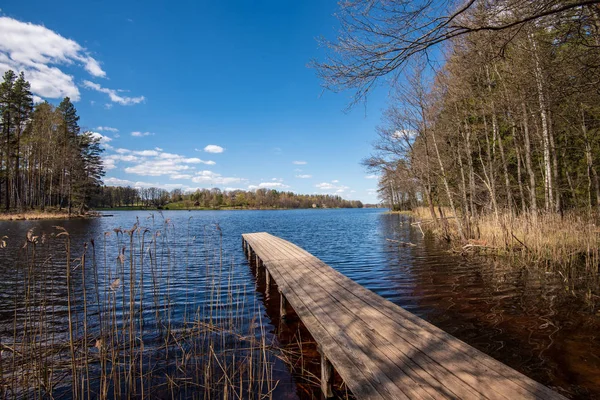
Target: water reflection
x,y
525,317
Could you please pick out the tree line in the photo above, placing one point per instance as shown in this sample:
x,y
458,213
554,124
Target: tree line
x,y
45,158
215,198
509,123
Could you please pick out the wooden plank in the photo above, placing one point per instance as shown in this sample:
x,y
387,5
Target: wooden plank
x,y
380,349
478,361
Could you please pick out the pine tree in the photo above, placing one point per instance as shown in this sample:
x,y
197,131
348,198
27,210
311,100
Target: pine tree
x,y
89,171
68,145
22,108
6,107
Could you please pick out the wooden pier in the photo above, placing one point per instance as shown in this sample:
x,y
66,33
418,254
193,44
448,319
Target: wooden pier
x,y
380,350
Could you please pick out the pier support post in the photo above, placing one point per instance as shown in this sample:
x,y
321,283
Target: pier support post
x,y
282,304
326,376
267,280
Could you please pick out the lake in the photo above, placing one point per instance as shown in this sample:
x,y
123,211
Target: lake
x,y
539,322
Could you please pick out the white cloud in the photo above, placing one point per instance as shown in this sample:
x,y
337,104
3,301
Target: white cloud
x,y
113,94
155,163
332,187
213,178
372,176
213,148
157,167
103,139
107,129
181,176
140,184
122,157
146,153
117,182
304,176
193,160
141,134
405,134
268,185
37,51
299,162
334,181
108,163
325,185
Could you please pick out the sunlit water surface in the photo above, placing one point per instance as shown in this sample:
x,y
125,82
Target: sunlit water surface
x,y
524,317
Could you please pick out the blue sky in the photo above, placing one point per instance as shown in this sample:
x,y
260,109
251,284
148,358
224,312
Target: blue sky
x,y
162,81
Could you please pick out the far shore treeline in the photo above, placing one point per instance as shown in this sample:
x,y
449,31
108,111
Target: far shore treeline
x,y
215,198
47,162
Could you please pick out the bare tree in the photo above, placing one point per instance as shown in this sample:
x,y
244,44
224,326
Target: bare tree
x,y
378,38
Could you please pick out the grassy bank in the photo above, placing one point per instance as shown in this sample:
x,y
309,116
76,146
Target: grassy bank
x,y
571,240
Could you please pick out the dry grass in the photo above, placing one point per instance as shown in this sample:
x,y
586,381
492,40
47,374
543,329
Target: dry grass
x,y
568,241
39,215
105,324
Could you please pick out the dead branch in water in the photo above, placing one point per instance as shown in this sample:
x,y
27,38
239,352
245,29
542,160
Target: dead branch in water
x,y
400,243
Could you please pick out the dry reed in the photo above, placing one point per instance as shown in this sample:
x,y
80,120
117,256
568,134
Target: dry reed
x,y
568,242
89,326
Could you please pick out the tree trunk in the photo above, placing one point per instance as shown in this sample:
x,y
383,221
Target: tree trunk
x,y
529,165
539,80
447,187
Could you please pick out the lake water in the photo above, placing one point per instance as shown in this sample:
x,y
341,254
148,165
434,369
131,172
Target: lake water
x,y
535,321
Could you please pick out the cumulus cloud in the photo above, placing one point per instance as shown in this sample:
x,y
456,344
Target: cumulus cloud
x,y
104,140
38,51
141,134
108,163
117,182
213,148
181,176
304,176
113,94
107,129
213,178
146,153
332,187
268,185
192,160
299,162
371,176
140,184
157,167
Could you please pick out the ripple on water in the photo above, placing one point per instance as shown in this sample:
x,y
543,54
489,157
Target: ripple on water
x,y
522,317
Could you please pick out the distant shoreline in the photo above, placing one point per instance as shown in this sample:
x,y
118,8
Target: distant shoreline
x,y
34,215
137,208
